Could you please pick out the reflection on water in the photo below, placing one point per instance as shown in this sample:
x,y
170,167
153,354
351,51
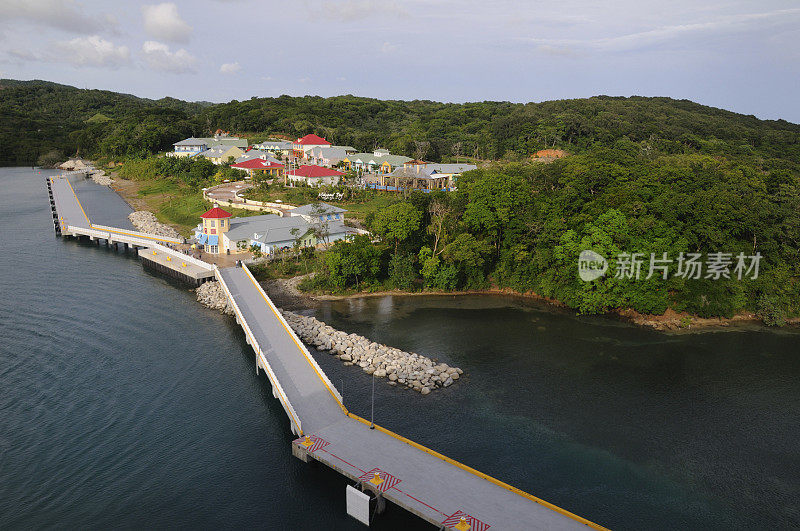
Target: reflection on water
x,y
630,427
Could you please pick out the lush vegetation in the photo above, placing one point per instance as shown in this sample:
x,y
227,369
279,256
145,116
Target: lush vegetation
x,y
40,118
523,226
648,175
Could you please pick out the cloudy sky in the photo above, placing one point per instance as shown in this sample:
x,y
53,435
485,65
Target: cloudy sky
x,y
742,55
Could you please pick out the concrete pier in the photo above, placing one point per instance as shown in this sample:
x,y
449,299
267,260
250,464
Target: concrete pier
x,y
175,266
70,219
434,487
438,489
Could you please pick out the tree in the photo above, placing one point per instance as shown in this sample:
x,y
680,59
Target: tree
x,y
456,150
421,148
351,263
440,214
321,226
296,238
401,272
397,222
468,254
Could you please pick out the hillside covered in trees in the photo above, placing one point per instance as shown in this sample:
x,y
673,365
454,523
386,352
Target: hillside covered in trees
x,y
40,117
645,175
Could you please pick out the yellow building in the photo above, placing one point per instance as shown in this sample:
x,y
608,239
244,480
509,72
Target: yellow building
x,y
216,222
221,155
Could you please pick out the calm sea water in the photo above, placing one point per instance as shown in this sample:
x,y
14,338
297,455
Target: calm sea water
x,y
126,404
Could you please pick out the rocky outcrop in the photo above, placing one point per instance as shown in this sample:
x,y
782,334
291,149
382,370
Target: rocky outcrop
x,y
211,295
145,221
411,370
101,178
73,165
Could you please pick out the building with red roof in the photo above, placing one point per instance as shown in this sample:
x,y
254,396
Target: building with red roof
x,y
314,175
216,213
215,223
311,141
257,165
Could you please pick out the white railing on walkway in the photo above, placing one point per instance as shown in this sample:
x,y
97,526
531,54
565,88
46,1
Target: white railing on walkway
x,y
276,385
134,240
300,344
185,257
137,234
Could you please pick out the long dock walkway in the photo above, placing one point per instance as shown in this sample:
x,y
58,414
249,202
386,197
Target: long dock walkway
x,y
432,486
71,219
438,489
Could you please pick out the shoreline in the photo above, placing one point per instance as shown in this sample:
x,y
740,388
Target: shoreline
x,y
670,322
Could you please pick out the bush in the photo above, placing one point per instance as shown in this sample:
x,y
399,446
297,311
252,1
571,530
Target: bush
x,y
401,272
50,159
770,310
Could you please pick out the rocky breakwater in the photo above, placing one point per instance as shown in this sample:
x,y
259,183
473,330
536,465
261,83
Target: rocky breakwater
x,y
411,370
211,295
147,222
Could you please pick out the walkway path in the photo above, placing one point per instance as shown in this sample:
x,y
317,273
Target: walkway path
x,y
424,482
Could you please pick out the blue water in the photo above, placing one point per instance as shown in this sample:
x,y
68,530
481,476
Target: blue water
x,y
126,404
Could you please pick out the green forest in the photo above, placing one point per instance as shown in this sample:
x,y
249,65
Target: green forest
x,y
644,175
40,117
523,226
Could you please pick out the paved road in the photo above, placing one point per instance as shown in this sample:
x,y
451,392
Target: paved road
x,y
415,479
227,191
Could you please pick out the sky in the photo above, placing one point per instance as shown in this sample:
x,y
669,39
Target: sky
x,y
738,55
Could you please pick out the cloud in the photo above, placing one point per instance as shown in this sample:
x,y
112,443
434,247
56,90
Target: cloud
x,y
93,51
163,22
65,15
24,55
158,56
357,9
673,34
80,51
230,68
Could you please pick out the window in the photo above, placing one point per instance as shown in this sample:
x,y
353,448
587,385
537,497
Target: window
x,y
213,231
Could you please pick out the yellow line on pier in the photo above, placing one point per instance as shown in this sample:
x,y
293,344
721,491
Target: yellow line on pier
x,y
291,334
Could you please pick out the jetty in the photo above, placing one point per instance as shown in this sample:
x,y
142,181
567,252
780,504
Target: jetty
x,y
380,464
70,219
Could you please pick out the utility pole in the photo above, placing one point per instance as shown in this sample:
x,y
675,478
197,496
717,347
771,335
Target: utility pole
x,y
372,416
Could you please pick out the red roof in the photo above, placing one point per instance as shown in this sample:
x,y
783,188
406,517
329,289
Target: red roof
x,y
216,213
312,140
256,164
310,170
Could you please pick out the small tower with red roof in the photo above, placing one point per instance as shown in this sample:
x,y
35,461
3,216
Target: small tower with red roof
x,y
216,222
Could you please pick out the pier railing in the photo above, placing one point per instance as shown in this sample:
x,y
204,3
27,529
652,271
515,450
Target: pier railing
x,y
276,385
137,234
320,373
185,257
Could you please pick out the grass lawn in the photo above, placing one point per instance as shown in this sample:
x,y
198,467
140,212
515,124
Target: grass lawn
x,y
302,196
173,204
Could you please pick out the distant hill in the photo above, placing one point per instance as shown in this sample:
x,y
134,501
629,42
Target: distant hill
x,y
41,117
